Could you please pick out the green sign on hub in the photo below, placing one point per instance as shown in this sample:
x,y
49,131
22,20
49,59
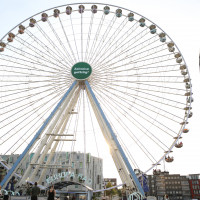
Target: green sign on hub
x,y
81,71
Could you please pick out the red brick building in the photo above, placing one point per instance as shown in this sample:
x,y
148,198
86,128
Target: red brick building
x,y
194,181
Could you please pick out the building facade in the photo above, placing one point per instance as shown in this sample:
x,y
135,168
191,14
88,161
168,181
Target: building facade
x,y
113,181
194,182
66,166
174,185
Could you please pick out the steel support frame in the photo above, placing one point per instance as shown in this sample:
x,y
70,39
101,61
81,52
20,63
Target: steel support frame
x,y
114,143
35,138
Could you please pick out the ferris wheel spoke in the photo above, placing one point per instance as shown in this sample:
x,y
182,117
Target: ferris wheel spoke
x,y
156,91
120,50
43,46
165,111
119,41
94,132
30,66
66,37
89,37
72,26
60,42
69,60
137,97
135,63
148,94
137,84
96,36
26,55
129,103
29,90
24,114
132,136
108,40
172,66
129,132
131,56
34,131
44,56
139,126
29,104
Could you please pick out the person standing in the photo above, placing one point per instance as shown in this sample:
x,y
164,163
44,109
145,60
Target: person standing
x,y
51,193
35,192
1,194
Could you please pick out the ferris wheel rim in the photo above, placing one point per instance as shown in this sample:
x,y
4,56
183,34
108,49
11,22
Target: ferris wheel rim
x,y
173,144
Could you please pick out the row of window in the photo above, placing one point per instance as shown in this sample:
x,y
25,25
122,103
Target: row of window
x,y
195,182
196,191
173,182
195,187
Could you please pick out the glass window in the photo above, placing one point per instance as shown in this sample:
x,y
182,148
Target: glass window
x,y
81,165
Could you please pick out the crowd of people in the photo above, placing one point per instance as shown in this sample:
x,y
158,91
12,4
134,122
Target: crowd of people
x,y
33,192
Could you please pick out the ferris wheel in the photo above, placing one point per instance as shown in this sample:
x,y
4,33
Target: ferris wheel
x,y
74,71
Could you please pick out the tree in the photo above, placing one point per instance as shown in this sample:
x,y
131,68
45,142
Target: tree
x,y
110,192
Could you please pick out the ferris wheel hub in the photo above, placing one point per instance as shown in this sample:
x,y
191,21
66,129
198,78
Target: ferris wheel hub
x,y
81,71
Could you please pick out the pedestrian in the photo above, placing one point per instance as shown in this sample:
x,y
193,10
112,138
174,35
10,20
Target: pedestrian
x,y
166,197
35,192
51,193
1,194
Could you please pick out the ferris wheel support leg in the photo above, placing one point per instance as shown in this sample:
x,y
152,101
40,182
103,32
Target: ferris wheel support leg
x,y
63,126
114,138
57,125
42,149
27,149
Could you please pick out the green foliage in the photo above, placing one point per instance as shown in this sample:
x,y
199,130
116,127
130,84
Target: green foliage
x,y
111,192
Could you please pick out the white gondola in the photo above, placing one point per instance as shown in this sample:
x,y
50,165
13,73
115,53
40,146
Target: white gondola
x,y
179,60
182,67
185,130
187,108
10,37
21,29
94,9
118,13
130,17
188,93
152,29
187,86
186,80
156,171
142,22
68,10
177,55
184,122
171,49
169,159
56,13
170,44
106,10
32,22
190,115
184,72
162,37
44,17
81,9
179,145
2,46
190,99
